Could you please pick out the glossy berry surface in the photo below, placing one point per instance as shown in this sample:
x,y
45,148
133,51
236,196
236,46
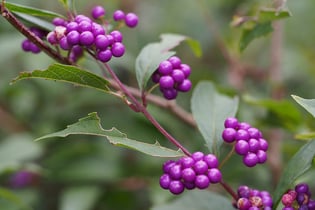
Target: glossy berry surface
x,y
131,20
118,15
253,199
97,12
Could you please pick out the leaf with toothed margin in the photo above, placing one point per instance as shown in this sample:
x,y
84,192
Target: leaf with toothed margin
x,y
91,125
67,74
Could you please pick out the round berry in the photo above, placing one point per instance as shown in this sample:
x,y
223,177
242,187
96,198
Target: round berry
x,y
202,181
80,18
104,55
242,134
187,162
156,77
86,38
118,49
73,38
211,160
101,42
254,145
97,29
131,20
200,167
311,205
243,204
214,175
178,75
167,165
263,144
72,26
169,94
64,43
111,39
175,172
250,159
228,135
118,37
302,188
288,208
165,68
184,86
244,125
84,26
243,191
241,147
51,38
97,12
59,21
185,69
231,122
262,156
188,175
166,82
254,133
26,45
34,48
176,187
175,61
118,15
197,156
165,181
190,185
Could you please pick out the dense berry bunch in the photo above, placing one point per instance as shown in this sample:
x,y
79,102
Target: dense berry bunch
x,y
252,199
29,46
298,199
197,171
172,76
249,141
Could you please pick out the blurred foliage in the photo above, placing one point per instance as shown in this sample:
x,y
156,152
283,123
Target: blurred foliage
x,y
84,172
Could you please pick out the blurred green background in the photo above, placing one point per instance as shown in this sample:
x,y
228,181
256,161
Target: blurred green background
x,y
87,172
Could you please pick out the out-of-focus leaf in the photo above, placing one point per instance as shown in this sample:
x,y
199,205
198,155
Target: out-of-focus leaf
x,y
305,136
36,21
68,74
90,125
197,200
10,197
308,104
13,7
210,109
153,54
297,166
259,30
79,198
270,14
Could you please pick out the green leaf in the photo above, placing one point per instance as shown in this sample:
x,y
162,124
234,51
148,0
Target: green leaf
x,y
271,14
197,200
79,198
31,10
305,136
210,109
36,21
297,166
153,54
68,74
10,197
259,30
308,104
90,125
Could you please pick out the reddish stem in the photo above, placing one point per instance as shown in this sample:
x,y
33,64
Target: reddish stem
x,y
229,190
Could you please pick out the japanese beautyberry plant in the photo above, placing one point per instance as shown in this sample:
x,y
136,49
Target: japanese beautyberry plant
x,y
194,178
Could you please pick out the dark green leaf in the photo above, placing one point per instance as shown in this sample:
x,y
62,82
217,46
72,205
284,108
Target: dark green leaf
x,y
68,74
90,125
210,109
268,15
308,104
153,54
259,30
31,10
13,199
297,166
197,200
36,21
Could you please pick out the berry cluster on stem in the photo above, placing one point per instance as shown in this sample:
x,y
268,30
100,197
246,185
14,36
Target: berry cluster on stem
x,y
248,140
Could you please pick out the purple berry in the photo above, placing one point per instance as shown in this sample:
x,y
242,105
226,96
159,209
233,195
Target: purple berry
x,y
176,187
51,38
118,49
263,144
241,147
311,205
167,165
111,39
131,20
254,145
197,156
175,61
184,86
178,75
169,94
101,42
231,122
288,208
86,38
80,18
118,15
84,26
211,160
188,175
302,188
97,12
165,181
254,133
118,37
72,26
202,181
34,48
59,21
243,204
73,38
250,159
185,69
156,77
244,125
166,82
187,162
243,191
104,55
214,175
190,185
175,172
200,167
262,156
228,135
97,29
26,45
64,43
165,68
242,135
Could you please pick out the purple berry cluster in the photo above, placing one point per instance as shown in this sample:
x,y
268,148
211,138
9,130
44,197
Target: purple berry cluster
x,y
172,76
252,199
23,178
298,199
196,171
29,46
249,141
